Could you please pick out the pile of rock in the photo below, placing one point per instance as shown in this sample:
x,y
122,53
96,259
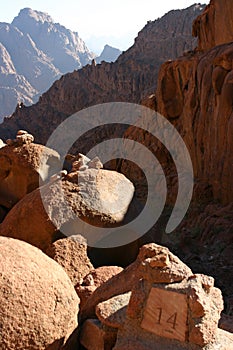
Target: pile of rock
x,y
167,307
64,205
59,300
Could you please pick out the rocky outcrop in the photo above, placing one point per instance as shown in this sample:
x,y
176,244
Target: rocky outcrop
x,y
130,78
93,280
167,267
195,93
38,304
214,26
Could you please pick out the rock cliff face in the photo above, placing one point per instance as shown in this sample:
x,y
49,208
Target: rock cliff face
x,y
195,94
130,78
214,26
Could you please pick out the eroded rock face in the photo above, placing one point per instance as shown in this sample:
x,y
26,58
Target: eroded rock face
x,y
39,306
97,197
19,167
195,93
214,26
203,111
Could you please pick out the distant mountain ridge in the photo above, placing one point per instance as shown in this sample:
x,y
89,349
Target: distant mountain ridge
x,y
130,78
109,54
34,52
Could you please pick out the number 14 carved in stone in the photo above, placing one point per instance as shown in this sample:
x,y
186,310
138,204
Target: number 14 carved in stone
x,y
165,314
171,319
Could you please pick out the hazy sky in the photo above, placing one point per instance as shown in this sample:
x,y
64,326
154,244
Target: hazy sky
x,y
98,22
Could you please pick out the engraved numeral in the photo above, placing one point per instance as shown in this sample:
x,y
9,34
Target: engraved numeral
x,y
159,315
172,320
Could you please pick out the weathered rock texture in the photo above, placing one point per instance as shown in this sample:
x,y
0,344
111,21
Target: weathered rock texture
x,y
132,76
39,306
97,197
214,26
195,93
167,268
20,165
93,280
166,307
71,254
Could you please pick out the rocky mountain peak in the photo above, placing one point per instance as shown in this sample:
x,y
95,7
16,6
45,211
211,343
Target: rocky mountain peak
x,y
33,15
34,52
109,54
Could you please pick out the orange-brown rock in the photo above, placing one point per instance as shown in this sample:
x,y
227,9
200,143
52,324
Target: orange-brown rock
x,y
71,254
19,168
214,26
96,336
166,267
180,315
93,280
202,88
98,197
38,304
112,312
195,92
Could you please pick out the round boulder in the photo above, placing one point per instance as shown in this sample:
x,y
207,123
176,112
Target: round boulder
x,y
20,170
38,303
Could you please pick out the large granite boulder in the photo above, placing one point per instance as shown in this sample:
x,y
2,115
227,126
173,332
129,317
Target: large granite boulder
x,y
38,304
74,204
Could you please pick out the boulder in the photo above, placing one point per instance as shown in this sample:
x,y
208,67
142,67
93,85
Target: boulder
x,y
93,280
38,304
71,254
96,336
19,167
112,312
166,267
98,197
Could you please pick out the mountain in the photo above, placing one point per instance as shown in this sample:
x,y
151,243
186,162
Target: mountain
x,y
109,54
132,77
13,87
65,48
35,52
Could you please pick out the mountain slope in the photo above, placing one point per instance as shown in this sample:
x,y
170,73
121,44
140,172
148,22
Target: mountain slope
x,y
65,48
40,52
109,54
130,78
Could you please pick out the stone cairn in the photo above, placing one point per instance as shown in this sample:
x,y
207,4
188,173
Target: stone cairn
x,y
168,308
22,137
